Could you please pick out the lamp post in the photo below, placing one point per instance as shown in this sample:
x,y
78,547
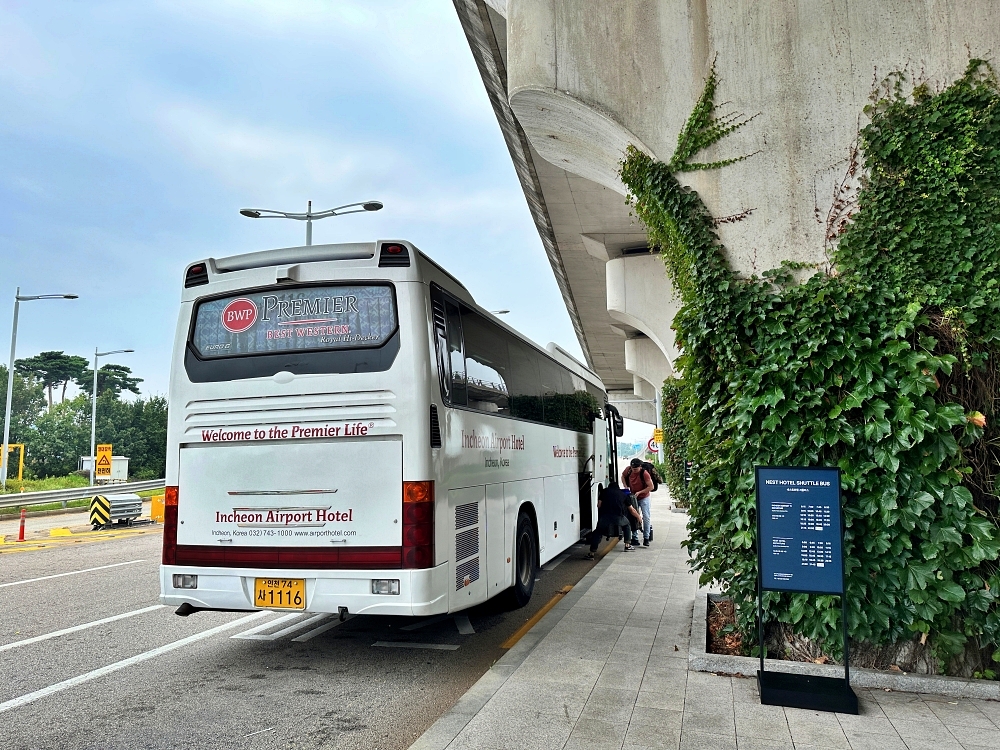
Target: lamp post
x,y
309,216
18,299
93,408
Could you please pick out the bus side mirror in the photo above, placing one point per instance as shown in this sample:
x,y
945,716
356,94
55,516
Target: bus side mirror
x,y
617,421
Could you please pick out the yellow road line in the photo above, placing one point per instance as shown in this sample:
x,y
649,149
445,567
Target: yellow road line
x,y
607,548
523,630
86,537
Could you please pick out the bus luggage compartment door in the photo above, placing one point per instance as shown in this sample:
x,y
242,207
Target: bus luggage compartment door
x,y
330,493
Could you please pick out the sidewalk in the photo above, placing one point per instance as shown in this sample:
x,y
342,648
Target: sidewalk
x,y
607,669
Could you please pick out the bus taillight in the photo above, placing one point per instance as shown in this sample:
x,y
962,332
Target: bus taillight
x,y
418,524
170,526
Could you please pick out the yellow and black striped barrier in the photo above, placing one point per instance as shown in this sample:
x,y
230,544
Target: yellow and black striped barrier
x,y
100,511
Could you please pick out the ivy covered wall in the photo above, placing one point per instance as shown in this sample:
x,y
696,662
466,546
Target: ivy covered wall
x,y
675,440
885,363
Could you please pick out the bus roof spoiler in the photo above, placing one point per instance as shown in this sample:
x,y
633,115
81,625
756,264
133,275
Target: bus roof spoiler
x,y
287,256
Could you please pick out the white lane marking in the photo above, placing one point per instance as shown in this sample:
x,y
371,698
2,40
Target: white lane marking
x,y
552,564
422,623
285,631
118,665
464,626
320,630
261,731
71,573
249,633
404,644
77,628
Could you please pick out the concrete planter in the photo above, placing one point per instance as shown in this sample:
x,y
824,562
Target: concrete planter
x,y
699,660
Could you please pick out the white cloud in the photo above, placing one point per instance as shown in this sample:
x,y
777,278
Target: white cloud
x,y
412,46
242,154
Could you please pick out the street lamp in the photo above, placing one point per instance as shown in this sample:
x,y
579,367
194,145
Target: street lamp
x,y
18,299
309,217
93,409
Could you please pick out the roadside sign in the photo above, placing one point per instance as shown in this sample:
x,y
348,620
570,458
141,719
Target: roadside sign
x,y
800,548
651,446
103,461
658,435
100,511
800,530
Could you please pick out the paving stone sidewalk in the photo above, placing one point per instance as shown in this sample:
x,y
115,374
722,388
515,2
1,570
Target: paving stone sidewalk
x,y
607,669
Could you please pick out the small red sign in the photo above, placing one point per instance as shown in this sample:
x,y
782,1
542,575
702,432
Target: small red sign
x,y
239,315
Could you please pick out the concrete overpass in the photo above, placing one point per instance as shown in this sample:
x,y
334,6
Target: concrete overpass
x,y
572,82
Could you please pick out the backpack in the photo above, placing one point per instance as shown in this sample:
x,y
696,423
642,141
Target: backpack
x,y
645,468
652,474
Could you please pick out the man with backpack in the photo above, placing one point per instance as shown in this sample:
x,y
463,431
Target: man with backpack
x,y
640,481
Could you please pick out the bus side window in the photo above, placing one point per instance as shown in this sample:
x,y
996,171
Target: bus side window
x,y
487,364
441,343
456,355
522,382
555,385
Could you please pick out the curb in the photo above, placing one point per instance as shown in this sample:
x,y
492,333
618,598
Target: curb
x,y
440,734
701,661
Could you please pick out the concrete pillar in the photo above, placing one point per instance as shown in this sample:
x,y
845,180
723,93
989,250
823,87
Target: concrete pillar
x,y
644,359
641,296
632,407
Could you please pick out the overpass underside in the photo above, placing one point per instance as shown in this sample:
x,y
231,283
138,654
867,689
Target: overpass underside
x,y
573,82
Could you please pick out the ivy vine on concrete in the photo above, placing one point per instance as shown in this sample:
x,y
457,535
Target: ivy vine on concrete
x,y
675,441
887,365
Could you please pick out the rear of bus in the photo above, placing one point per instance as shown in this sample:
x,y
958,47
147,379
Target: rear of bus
x,y
298,459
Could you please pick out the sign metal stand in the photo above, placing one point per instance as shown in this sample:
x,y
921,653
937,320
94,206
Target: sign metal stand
x,y
800,549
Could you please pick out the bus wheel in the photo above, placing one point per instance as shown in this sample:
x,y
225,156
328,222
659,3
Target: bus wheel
x,y
525,560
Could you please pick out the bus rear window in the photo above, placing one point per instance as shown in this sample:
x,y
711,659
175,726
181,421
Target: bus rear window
x,y
301,319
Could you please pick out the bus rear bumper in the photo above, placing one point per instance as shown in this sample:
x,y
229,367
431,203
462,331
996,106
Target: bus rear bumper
x,y
421,592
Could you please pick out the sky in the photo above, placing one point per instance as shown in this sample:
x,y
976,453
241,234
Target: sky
x,y
132,134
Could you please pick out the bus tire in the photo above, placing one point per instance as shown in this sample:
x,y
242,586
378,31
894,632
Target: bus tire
x,y
525,560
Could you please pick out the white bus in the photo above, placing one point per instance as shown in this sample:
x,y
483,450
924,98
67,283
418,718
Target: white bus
x,y
350,433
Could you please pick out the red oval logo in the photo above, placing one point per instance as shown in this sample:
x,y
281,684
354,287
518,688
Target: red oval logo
x,y
239,315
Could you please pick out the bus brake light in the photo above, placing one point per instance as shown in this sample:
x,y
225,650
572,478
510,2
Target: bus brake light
x,y
170,526
418,524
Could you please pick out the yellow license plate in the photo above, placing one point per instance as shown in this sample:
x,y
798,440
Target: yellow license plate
x,y
279,593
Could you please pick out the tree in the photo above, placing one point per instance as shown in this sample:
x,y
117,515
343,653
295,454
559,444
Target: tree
x,y
53,369
58,438
27,404
110,377
137,429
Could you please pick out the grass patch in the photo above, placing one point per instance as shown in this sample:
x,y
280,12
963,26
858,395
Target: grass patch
x,y
40,485
82,503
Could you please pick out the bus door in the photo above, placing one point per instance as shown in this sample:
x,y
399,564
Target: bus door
x,y
591,481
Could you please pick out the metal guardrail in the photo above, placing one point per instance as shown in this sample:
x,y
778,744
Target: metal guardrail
x,y
76,493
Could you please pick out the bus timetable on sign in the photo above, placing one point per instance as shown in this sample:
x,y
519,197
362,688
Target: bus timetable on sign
x,y
801,544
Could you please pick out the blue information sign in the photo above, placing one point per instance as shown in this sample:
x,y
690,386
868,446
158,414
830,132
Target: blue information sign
x,y
799,530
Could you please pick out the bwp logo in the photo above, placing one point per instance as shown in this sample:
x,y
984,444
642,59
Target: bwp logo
x,y
239,315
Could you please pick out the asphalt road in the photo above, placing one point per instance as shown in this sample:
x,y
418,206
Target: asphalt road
x,y
154,680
